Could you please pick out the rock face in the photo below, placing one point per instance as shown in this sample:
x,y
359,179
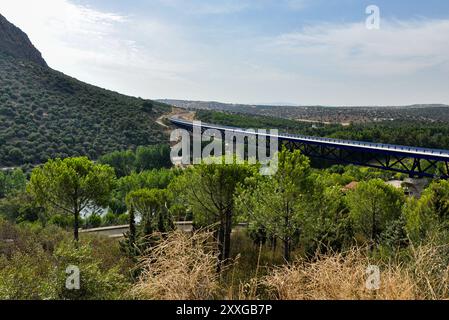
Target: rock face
x,y
16,43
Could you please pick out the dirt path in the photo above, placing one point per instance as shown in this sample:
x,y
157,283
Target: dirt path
x,y
177,113
182,114
160,121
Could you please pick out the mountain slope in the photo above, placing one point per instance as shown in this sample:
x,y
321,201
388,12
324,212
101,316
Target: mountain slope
x,y
46,114
16,43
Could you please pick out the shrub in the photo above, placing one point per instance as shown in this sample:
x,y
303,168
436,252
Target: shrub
x,y
417,273
25,277
95,283
33,263
93,221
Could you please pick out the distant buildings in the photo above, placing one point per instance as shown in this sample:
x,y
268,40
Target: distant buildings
x,y
411,187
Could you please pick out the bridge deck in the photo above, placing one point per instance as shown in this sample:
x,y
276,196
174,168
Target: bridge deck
x,y
407,151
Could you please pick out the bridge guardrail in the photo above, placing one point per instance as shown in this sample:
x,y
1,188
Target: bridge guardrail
x,y
371,145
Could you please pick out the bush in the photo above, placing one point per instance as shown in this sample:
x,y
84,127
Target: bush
x,y
417,273
33,263
93,221
21,207
61,220
109,219
95,283
27,277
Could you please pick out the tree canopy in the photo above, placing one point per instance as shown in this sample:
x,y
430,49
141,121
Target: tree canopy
x,y
71,185
276,204
209,190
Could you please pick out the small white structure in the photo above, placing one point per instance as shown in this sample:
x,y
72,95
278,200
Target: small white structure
x,y
411,187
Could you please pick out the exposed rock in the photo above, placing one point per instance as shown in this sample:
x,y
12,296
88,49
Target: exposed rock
x,y
16,43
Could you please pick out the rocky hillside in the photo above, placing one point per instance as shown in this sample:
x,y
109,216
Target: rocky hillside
x,y
46,114
16,43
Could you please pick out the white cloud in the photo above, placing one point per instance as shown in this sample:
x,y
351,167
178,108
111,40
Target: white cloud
x,y
103,48
63,31
218,7
405,62
398,48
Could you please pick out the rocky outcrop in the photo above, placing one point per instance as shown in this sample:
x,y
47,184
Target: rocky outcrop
x,y
16,43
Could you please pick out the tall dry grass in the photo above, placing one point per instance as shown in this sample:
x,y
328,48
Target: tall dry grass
x,y
180,267
429,265
337,277
184,266
423,274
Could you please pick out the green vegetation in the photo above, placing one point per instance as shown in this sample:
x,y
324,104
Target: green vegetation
x,y
374,207
71,185
11,182
98,161
34,260
151,205
274,205
145,158
209,190
321,221
45,114
156,178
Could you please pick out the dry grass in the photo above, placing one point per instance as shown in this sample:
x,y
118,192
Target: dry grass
x,y
343,277
336,277
181,267
429,265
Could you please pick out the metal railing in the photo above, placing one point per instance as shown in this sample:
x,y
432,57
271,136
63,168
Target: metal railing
x,y
330,141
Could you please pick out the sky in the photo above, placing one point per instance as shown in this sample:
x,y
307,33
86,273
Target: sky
x,y
303,52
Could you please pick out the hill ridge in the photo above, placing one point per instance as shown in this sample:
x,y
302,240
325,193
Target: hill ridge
x,y
16,43
47,114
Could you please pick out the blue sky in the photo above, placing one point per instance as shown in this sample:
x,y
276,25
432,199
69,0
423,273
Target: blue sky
x,y
306,52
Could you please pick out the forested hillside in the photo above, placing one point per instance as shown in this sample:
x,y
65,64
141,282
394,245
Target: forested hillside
x,y
46,114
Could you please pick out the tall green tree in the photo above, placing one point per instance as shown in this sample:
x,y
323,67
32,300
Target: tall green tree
x,y
154,179
71,185
153,157
429,213
12,181
276,203
152,207
438,192
373,206
122,161
327,225
209,191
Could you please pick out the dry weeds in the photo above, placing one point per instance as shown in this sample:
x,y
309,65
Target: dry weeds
x,y
342,276
181,267
184,266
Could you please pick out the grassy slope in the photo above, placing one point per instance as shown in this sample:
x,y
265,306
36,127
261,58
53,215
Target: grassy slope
x,y
46,114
